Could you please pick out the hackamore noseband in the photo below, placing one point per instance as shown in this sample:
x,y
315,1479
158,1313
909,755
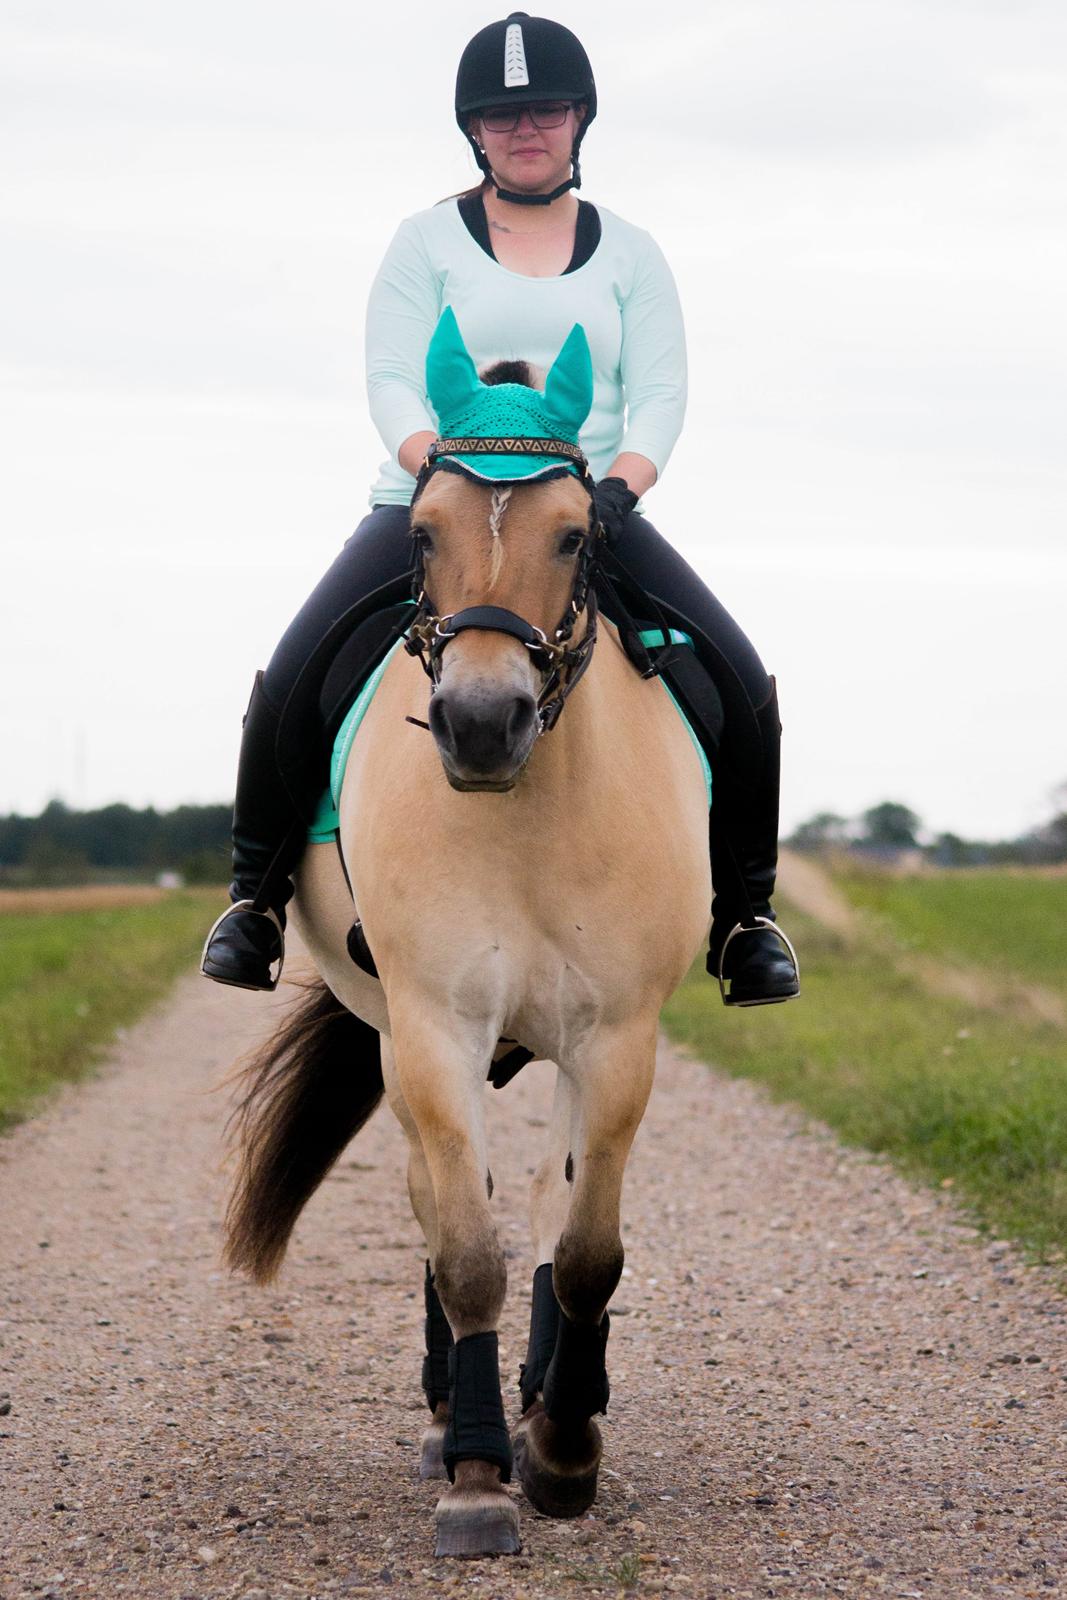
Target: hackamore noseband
x,y
560,663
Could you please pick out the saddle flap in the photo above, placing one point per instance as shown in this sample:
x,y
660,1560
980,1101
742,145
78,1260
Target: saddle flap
x,y
328,682
696,693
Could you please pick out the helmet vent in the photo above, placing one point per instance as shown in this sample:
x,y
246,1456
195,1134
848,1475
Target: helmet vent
x,y
516,75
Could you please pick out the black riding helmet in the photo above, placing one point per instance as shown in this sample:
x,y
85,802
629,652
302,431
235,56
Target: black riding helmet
x,y
519,62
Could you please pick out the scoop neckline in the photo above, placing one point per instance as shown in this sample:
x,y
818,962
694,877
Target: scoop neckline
x,y
525,277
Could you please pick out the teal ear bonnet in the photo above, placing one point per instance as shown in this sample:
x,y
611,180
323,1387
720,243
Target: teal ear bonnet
x,y
467,408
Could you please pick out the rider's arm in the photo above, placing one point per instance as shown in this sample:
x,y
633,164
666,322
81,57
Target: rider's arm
x,y
653,364
636,471
402,312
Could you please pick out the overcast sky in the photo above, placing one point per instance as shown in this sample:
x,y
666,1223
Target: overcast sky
x,y
863,202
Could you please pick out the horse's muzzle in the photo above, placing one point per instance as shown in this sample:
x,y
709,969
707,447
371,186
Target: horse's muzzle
x,y
484,736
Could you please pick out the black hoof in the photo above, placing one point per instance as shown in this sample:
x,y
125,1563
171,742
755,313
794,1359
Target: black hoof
x,y
557,1466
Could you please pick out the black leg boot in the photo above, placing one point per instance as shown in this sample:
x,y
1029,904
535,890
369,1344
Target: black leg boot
x,y
752,959
246,947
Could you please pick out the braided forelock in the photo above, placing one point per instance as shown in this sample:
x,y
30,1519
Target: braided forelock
x,y
498,504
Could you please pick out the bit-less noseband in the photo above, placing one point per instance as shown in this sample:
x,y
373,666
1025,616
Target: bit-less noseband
x,y
559,662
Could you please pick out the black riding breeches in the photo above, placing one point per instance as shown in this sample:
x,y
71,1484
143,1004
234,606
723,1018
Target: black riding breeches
x,y
379,551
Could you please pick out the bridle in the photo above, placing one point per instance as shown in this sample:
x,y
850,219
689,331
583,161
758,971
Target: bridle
x,y
560,663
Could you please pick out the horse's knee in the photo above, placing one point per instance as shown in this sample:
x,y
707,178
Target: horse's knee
x,y
471,1279
586,1272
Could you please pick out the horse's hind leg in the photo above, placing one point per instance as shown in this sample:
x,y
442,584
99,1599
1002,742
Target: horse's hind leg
x,y
559,1453
442,1085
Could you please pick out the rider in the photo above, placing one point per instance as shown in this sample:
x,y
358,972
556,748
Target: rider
x,y
521,259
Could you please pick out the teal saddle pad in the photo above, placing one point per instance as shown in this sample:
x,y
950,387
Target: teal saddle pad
x,y
326,824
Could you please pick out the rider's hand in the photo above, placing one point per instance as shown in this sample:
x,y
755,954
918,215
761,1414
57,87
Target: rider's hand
x,y
614,500
412,452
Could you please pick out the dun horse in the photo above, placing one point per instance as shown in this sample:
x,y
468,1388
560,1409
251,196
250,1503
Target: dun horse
x,y
523,872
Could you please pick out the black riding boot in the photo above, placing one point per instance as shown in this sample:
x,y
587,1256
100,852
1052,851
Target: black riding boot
x,y
246,946
753,960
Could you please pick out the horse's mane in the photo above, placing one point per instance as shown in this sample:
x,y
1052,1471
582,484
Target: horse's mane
x,y
508,371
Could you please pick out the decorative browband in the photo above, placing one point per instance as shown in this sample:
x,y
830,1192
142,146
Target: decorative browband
x,y
507,447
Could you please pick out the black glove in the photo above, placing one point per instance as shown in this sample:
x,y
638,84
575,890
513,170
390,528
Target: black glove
x,y
614,500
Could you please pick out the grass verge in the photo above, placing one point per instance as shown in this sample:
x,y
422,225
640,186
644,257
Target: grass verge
x,y
1011,922
966,1098
68,979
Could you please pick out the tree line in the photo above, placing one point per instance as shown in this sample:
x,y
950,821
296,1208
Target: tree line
x,y
66,846
891,829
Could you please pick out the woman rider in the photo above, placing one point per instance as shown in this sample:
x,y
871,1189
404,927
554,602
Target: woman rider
x,y
520,259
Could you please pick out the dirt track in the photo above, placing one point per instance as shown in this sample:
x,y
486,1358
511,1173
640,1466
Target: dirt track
x,y
824,1383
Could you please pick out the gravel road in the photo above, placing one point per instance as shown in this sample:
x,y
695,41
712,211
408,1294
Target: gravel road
x,y
824,1382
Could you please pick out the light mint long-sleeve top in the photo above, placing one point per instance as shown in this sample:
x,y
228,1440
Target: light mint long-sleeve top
x,y
624,296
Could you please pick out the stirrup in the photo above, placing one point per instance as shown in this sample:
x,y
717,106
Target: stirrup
x,y
739,927
272,916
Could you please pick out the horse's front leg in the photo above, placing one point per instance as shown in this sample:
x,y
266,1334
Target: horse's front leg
x,y
435,1366
441,1076
565,1381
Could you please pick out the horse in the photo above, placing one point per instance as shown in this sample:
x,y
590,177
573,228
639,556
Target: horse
x,y
528,860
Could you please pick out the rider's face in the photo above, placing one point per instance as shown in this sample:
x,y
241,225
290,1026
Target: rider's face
x,y
530,158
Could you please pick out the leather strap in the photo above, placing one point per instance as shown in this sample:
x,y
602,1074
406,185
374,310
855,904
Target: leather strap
x,y
491,619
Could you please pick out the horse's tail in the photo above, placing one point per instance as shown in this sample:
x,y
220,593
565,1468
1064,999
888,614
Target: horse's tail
x,y
308,1090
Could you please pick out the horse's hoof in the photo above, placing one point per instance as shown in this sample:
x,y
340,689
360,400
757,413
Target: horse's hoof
x,y
557,1467
432,1464
477,1523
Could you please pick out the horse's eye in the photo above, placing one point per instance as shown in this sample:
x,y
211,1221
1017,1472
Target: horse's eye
x,y
423,541
572,542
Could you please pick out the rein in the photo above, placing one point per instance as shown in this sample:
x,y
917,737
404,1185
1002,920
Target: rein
x,y
560,663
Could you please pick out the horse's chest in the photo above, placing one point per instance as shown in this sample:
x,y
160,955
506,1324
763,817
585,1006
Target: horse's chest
x,y
554,1006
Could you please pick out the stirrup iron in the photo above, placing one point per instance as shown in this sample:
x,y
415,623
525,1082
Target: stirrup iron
x,y
740,927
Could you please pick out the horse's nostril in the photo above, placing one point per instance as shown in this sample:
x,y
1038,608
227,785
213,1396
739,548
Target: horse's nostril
x,y
520,717
440,721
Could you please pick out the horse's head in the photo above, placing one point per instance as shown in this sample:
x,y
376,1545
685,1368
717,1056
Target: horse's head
x,y
505,542
516,549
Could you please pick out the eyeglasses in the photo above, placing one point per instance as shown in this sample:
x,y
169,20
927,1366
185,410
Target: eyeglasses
x,y
543,114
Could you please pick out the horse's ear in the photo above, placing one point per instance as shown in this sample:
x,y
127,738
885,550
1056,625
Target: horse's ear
x,y
569,385
452,380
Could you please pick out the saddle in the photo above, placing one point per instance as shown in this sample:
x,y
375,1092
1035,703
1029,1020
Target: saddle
x,y
324,710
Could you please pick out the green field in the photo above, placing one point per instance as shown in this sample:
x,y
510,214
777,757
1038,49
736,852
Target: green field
x,y
962,1095
69,978
1014,923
